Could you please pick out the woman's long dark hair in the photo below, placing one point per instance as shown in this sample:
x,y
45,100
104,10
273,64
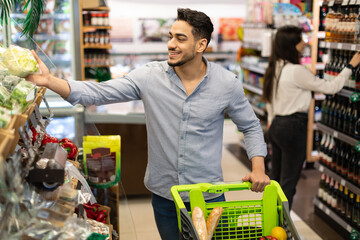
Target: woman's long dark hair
x,y
283,48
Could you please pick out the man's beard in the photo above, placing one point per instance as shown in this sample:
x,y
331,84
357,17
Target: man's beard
x,y
182,61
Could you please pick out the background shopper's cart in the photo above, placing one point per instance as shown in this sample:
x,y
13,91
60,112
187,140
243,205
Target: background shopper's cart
x,y
245,219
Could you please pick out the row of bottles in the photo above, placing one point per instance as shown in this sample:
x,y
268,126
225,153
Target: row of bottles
x,y
342,24
336,63
96,59
342,114
340,199
340,157
98,37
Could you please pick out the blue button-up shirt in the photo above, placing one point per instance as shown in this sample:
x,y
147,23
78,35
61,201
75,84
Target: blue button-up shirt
x,y
185,132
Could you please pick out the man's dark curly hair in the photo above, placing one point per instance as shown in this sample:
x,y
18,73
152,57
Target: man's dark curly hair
x,y
201,23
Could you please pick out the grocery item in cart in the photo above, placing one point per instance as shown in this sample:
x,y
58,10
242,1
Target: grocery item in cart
x,y
245,219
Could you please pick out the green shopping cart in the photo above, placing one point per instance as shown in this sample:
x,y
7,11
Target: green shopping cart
x,y
245,219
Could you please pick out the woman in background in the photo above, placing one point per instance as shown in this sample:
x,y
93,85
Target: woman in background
x,y
287,93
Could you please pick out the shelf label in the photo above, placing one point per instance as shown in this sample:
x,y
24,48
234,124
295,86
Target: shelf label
x,y
352,2
339,45
348,228
327,45
358,2
357,147
321,168
327,211
331,3
342,182
336,134
355,97
344,2
353,47
321,206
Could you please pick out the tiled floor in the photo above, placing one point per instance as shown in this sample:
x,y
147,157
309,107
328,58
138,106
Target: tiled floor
x,y
136,216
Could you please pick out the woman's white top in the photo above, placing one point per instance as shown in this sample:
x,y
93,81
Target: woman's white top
x,y
294,89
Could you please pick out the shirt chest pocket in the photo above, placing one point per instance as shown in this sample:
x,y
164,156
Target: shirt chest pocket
x,y
206,110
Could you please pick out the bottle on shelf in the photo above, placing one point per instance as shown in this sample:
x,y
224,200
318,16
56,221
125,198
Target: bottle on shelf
x,y
355,211
340,200
352,165
329,19
349,206
321,188
334,196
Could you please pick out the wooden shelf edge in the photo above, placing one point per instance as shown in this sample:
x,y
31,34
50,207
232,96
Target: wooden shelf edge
x,y
107,46
103,8
92,28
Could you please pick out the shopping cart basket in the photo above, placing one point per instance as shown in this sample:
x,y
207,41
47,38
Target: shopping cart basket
x,y
245,219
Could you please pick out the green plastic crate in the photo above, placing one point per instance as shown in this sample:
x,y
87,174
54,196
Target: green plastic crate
x,y
245,219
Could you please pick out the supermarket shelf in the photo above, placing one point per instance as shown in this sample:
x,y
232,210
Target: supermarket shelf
x,y
253,89
324,169
339,135
346,93
60,36
93,66
98,46
97,9
256,46
159,56
253,68
44,16
328,211
254,25
93,28
342,46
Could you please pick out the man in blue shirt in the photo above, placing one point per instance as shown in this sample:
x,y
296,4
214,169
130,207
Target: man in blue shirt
x,y
185,99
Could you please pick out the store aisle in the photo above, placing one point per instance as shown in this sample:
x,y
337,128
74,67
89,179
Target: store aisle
x,y
139,211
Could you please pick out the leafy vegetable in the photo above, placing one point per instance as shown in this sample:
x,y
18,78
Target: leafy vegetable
x,y
21,96
19,61
5,117
4,95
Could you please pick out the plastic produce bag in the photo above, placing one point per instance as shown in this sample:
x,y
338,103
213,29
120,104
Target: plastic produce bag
x,y
4,95
5,117
22,95
85,195
11,81
19,61
102,160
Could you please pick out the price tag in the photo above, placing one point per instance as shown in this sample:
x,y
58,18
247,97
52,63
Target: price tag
x,y
321,206
331,3
38,116
344,2
327,45
342,182
321,168
34,122
358,2
355,97
352,2
348,228
353,47
327,211
339,46
335,134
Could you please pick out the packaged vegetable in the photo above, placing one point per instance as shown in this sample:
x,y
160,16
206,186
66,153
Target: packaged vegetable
x,y
4,95
5,117
19,61
11,81
22,95
102,160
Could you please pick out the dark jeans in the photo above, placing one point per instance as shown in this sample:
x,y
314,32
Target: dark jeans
x,y
288,140
166,217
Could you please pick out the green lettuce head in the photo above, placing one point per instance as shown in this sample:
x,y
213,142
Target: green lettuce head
x,y
19,61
